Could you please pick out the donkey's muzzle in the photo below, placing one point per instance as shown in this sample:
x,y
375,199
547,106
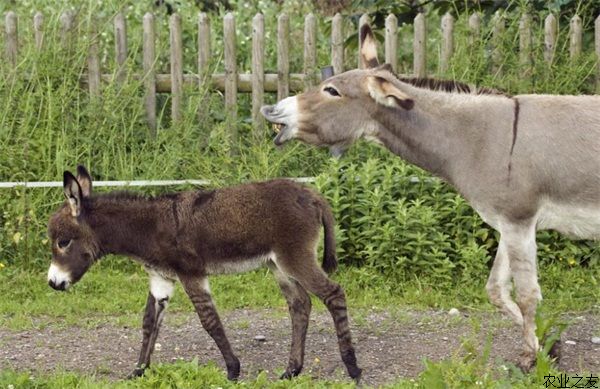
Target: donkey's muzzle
x,y
58,286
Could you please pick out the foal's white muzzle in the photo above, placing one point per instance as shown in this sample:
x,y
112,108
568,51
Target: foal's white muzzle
x,y
58,279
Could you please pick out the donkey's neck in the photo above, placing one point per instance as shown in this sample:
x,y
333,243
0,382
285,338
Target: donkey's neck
x,y
127,226
444,131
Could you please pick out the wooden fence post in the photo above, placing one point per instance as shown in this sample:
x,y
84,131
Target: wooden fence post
x,y
447,42
525,44
120,46
203,46
67,24
337,44
497,33
258,70
575,34
310,49
149,57
176,67
38,30
420,46
597,46
93,62
475,29
230,68
391,41
364,19
283,58
12,38
550,36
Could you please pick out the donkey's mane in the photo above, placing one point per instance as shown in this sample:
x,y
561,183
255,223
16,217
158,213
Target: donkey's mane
x,y
450,86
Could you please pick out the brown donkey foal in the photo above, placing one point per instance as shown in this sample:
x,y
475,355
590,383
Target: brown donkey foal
x,y
188,236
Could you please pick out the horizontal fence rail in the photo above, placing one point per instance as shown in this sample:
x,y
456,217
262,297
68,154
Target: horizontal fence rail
x,y
232,81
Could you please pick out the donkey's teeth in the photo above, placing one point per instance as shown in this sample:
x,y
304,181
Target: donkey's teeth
x,y
277,127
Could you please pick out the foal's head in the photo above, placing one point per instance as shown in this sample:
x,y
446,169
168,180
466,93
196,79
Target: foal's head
x,y
74,244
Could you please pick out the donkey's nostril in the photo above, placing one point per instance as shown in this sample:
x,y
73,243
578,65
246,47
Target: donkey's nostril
x,y
55,286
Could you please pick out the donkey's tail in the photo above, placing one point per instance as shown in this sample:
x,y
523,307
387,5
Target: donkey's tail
x,y
329,258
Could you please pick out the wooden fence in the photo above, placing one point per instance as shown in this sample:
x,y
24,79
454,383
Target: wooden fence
x,y
231,82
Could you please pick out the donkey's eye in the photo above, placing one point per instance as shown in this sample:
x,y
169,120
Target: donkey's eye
x,y
64,243
332,91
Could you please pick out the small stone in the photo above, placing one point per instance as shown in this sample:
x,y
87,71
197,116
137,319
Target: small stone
x,y
158,346
445,338
571,342
596,340
453,312
260,338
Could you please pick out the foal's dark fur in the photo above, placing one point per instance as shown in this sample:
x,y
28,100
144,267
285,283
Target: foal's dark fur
x,y
189,235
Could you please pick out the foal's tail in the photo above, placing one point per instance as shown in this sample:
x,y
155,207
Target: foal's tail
x,y
329,259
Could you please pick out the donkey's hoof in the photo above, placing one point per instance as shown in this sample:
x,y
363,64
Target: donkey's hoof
x,y
233,370
555,351
290,373
137,372
356,374
526,362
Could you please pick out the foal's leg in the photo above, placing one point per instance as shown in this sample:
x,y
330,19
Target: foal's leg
x,y
499,284
199,292
305,270
299,306
522,251
161,290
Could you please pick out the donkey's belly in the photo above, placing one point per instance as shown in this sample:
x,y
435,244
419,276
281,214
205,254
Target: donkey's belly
x,y
238,265
575,221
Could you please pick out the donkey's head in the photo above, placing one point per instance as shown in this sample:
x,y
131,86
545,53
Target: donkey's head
x,y
74,245
342,108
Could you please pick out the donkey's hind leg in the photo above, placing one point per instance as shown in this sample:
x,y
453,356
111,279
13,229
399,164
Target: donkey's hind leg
x,y
522,252
161,290
299,306
305,270
198,290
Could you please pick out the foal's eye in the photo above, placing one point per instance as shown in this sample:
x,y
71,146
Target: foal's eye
x,y
64,243
332,91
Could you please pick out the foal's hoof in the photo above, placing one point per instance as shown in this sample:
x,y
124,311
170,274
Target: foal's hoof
x,y
137,372
355,374
290,373
233,371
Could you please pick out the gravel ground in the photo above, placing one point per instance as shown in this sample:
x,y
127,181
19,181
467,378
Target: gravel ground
x,y
388,346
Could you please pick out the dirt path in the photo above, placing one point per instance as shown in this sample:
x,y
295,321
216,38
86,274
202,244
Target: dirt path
x,y
387,346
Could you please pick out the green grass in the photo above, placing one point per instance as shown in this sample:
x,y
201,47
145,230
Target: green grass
x,y
107,293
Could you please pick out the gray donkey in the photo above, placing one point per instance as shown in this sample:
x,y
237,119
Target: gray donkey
x,y
524,163
188,236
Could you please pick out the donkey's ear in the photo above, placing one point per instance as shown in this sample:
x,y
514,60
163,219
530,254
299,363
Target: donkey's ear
x,y
85,181
386,93
72,191
368,48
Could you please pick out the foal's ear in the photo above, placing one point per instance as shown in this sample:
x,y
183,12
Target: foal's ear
x,y
85,181
73,193
368,48
386,93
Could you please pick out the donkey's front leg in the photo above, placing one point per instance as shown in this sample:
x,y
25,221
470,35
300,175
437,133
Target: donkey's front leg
x,y
161,290
522,251
198,290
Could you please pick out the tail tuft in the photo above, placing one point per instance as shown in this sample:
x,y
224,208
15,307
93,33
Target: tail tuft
x,y
329,259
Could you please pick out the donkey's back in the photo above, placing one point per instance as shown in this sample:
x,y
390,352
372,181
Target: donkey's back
x,y
240,227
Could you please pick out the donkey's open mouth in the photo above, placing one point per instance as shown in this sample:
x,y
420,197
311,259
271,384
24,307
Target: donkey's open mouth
x,y
284,117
